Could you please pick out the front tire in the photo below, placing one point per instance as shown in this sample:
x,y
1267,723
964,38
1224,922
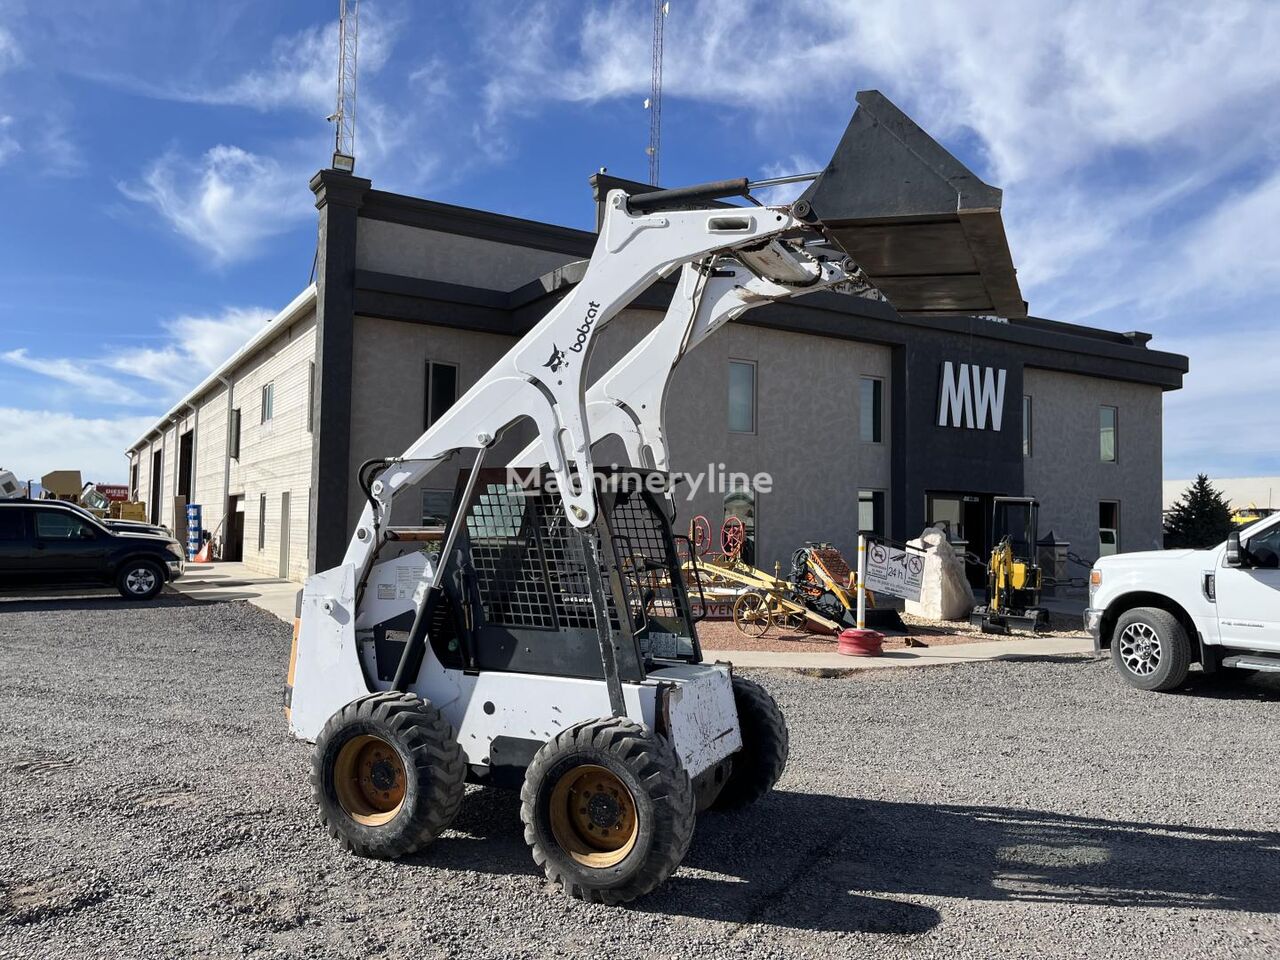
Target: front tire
x,y
1151,649
608,810
139,579
387,775
766,745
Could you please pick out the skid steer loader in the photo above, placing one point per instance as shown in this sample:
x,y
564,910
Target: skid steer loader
x,y
549,642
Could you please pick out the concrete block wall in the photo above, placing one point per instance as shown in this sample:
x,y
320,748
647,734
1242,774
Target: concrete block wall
x,y
1066,472
275,457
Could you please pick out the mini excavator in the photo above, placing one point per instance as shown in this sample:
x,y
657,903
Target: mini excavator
x,y
549,644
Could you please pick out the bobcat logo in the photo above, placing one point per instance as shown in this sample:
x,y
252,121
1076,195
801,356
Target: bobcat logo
x,y
557,359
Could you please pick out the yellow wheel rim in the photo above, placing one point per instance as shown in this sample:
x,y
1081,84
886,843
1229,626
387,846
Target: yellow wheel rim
x,y
369,780
751,614
593,816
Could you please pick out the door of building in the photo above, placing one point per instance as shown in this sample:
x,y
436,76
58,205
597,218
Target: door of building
x,y
186,457
233,535
967,519
157,477
284,536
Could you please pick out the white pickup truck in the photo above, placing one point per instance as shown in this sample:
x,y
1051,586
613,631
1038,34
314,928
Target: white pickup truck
x,y
1161,611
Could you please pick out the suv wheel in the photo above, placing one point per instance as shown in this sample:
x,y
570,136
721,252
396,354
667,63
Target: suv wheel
x,y
139,579
1151,650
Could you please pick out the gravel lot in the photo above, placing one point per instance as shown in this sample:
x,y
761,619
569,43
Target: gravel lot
x,y
153,806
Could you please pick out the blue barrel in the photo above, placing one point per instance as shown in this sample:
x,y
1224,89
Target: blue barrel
x,y
194,533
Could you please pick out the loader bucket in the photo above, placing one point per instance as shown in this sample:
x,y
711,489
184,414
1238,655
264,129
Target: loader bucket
x,y
925,229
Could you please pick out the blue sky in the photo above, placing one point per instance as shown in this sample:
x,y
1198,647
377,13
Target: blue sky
x,y
154,161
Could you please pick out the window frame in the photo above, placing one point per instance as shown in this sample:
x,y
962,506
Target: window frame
x,y
1116,527
884,511
1028,425
877,399
1115,434
431,416
267,402
755,393
233,438
311,396
262,522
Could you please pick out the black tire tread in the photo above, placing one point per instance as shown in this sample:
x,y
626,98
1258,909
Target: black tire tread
x,y
437,762
655,764
156,567
1173,636
766,745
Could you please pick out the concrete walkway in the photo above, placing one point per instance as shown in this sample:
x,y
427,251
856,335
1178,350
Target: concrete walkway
x,y
926,657
234,581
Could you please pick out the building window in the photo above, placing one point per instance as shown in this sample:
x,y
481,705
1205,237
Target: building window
x,y
262,522
871,512
233,438
742,396
1107,433
740,502
440,393
1108,527
437,507
1026,426
311,397
268,402
871,410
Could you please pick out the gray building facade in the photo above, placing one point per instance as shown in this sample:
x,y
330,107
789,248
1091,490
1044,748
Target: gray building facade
x,y
860,416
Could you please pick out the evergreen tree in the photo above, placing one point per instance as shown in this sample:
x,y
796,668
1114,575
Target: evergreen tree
x,y
1201,518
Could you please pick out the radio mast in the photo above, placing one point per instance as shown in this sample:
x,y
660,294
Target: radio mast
x,y
344,118
660,10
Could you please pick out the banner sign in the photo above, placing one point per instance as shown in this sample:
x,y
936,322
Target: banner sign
x,y
894,571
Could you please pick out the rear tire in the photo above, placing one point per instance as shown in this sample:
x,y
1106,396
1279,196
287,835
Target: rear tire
x,y
139,579
608,810
766,744
387,774
1151,649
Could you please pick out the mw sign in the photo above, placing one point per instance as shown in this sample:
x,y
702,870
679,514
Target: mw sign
x,y
971,396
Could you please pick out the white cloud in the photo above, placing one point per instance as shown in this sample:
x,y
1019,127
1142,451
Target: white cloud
x,y
8,143
190,347
10,54
227,201
196,346
35,442
75,373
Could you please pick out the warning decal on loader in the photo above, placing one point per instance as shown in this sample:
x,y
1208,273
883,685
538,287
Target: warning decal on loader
x,y
894,571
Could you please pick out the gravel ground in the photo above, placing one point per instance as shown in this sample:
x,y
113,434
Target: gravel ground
x,y
153,806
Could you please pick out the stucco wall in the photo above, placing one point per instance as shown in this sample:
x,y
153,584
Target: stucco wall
x,y
1066,472
409,251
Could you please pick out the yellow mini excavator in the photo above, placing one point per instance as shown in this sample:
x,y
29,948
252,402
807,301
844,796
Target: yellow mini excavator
x,y
1014,580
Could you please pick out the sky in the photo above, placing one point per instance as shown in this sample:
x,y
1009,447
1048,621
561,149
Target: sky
x,y
154,160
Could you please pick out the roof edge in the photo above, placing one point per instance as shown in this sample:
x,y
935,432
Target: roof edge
x,y
281,321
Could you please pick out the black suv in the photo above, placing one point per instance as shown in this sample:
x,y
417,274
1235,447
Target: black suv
x,y
47,543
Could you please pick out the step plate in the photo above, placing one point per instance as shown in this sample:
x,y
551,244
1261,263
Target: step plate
x,y
1262,664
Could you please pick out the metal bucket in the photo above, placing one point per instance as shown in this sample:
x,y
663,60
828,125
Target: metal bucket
x,y
926,230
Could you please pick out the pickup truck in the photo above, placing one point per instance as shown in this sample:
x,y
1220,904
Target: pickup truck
x,y
1161,611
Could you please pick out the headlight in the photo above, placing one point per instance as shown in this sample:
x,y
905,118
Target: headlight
x,y
176,549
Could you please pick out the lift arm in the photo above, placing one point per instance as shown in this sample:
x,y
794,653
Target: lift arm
x,y
630,400
541,377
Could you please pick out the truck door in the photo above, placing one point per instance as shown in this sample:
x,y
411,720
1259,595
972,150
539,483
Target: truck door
x,y
67,548
1249,596
15,546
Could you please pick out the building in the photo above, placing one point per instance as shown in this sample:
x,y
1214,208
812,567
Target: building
x,y
863,418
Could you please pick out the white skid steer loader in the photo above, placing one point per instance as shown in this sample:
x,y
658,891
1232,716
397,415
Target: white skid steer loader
x,y
551,643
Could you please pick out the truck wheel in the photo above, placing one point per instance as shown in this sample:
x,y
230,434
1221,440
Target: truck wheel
x,y
139,579
765,747
607,810
1151,649
387,775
